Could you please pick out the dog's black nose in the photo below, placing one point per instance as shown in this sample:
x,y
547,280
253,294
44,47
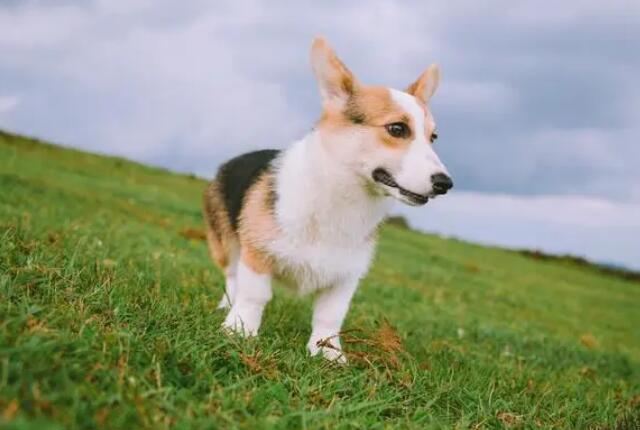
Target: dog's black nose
x,y
441,183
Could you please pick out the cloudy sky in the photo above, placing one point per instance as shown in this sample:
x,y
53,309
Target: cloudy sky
x,y
538,111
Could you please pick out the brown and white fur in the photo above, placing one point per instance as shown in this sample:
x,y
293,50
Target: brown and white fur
x,y
311,214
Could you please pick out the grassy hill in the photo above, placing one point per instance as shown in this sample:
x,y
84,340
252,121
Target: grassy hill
x,y
108,319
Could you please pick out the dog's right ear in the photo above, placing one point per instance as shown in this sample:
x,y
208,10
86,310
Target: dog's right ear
x,y
336,82
426,84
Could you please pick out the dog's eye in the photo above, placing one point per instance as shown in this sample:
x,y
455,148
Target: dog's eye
x,y
433,137
398,129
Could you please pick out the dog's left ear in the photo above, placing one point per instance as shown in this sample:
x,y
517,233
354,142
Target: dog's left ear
x,y
426,85
335,80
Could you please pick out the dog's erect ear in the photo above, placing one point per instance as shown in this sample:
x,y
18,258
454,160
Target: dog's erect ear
x,y
426,84
336,82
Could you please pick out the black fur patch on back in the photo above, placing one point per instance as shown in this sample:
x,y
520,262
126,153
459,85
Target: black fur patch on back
x,y
236,176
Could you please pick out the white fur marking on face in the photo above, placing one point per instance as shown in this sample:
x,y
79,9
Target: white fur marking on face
x,y
420,161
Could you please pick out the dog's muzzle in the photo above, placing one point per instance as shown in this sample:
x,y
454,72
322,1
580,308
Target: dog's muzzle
x,y
381,176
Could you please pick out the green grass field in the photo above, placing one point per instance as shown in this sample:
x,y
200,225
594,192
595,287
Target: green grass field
x,y
108,320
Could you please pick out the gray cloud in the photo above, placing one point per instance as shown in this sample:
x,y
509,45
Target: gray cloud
x,y
534,99
598,229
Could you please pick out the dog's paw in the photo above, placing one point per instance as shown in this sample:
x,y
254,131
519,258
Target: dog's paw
x,y
244,325
329,348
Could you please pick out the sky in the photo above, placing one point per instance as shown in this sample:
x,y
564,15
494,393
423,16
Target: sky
x,y
538,110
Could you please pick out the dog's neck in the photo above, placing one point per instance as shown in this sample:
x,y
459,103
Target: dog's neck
x,y
315,190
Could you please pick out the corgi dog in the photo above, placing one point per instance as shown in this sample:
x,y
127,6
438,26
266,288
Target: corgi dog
x,y
309,214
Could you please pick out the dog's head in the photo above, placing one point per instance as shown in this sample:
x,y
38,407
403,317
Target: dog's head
x,y
384,135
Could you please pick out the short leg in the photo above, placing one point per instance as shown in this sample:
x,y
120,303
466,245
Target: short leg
x,y
231,276
253,292
329,311
229,292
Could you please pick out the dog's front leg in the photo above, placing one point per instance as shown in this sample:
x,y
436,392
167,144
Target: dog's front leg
x,y
330,308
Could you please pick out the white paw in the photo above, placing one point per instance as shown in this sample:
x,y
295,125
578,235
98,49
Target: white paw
x,y
242,321
329,347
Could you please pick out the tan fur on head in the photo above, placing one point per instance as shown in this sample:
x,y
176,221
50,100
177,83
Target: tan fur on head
x,y
349,104
371,107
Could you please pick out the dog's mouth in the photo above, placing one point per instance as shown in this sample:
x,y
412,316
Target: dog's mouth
x,y
381,176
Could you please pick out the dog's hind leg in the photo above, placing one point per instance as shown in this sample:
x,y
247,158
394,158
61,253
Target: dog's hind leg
x,y
253,292
231,277
228,264
222,241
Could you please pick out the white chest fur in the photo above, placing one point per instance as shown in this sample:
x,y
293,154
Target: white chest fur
x,y
326,218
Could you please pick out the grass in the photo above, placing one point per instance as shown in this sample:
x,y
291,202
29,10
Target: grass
x,y
108,319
